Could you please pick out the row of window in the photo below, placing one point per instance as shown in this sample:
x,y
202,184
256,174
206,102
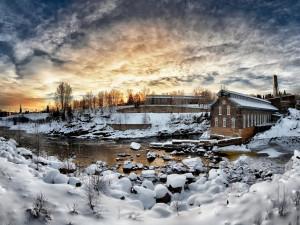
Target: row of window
x,y
255,119
248,120
225,122
228,110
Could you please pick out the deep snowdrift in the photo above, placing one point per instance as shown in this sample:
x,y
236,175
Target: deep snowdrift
x,y
211,199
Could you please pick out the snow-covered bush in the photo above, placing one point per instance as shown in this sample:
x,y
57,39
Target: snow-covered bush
x,y
40,208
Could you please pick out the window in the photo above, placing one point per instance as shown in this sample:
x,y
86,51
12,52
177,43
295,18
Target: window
x,y
265,118
228,110
216,122
224,122
220,110
248,120
255,120
233,122
244,121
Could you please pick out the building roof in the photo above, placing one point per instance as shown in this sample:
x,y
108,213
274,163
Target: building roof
x,y
175,96
233,93
241,103
246,101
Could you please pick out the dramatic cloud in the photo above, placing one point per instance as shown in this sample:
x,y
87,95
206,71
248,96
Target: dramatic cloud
x,y
164,44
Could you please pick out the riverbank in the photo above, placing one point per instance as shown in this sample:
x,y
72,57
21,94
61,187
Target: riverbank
x,y
97,124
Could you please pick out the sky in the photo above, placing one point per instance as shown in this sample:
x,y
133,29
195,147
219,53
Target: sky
x,y
165,45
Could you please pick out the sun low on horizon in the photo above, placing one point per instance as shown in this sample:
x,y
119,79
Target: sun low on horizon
x,y
163,45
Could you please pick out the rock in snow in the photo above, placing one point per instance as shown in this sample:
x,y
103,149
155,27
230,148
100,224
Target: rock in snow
x,y
135,146
175,182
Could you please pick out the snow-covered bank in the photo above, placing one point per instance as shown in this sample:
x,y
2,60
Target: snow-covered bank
x,y
221,197
95,124
281,139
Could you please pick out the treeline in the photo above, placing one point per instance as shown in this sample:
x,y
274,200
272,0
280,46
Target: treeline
x,y
111,98
63,97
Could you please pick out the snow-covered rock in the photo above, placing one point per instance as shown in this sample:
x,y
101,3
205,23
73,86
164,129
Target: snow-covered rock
x,y
148,173
194,164
163,195
55,177
124,184
129,166
132,176
148,184
135,146
146,196
151,156
175,182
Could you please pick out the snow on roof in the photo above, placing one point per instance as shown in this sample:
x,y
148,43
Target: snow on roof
x,y
243,95
253,104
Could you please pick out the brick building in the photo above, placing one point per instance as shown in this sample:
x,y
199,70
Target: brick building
x,y
237,115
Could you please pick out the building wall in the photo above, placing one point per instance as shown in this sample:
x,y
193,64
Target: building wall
x,y
162,109
234,113
256,117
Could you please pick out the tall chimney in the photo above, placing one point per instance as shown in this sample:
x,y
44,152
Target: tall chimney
x,y
275,86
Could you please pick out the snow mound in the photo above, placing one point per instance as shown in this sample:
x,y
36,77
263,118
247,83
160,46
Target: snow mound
x,y
146,196
160,210
54,177
148,184
123,184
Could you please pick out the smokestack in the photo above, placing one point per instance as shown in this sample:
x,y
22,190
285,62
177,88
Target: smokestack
x,y
275,86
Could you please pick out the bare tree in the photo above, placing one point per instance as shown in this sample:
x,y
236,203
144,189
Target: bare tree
x,y
101,96
89,99
283,202
63,95
143,93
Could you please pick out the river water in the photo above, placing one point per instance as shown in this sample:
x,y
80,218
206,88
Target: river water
x,y
86,152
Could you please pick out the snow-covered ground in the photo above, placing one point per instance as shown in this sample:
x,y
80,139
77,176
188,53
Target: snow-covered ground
x,y
32,190
95,124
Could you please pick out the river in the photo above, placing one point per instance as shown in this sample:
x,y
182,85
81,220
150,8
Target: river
x,y
86,152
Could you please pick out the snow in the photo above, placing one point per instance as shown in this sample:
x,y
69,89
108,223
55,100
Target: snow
x,y
148,173
146,196
194,163
54,177
271,152
233,148
213,199
148,184
94,124
161,191
253,104
176,180
205,135
287,126
135,146
160,210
